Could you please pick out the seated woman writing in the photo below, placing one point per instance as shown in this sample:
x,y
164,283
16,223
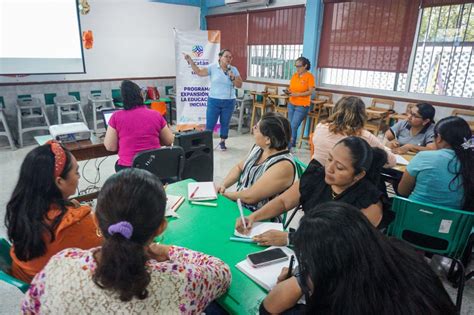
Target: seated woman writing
x,y
348,119
128,274
351,268
350,175
136,128
40,219
414,134
445,176
268,170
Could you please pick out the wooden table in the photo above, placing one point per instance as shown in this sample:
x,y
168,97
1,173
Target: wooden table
x,y
401,167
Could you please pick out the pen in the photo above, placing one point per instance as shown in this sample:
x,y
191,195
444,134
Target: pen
x,y
290,268
201,203
239,204
194,192
241,239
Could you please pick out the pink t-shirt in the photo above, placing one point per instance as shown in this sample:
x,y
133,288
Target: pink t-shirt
x,y
324,140
138,129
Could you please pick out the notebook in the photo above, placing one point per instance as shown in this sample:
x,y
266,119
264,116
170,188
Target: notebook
x,y
401,160
259,228
201,191
266,276
172,204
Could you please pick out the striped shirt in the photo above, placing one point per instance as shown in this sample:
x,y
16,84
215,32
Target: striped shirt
x,y
252,171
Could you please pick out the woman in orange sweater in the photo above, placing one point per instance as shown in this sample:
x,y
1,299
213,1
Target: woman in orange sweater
x,y
40,219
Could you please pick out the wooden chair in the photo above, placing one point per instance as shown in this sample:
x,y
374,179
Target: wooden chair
x,y
321,98
379,114
467,114
264,104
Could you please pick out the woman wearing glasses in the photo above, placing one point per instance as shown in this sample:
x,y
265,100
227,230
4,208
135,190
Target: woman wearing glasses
x,y
414,134
301,88
221,101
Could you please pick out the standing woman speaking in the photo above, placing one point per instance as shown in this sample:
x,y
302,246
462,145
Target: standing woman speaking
x,y
301,88
221,100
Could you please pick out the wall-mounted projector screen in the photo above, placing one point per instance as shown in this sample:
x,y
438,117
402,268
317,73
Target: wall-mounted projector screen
x,y
40,37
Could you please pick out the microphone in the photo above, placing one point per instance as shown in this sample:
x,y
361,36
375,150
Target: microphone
x,y
228,69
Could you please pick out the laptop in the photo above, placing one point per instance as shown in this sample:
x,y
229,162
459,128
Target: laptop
x,y
106,114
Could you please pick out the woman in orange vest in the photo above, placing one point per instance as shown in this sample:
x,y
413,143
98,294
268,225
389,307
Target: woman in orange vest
x,y
40,219
301,88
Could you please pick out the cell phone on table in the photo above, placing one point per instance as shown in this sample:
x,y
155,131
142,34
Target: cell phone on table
x,y
267,257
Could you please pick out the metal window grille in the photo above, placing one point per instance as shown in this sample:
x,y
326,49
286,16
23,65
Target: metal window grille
x,y
273,61
443,62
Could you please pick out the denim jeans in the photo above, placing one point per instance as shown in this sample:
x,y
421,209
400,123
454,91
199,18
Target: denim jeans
x,y
223,109
296,114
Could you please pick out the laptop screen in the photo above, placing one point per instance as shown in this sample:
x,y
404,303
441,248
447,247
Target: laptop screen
x,y
107,113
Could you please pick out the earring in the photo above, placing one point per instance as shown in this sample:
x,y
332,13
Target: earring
x,y
98,232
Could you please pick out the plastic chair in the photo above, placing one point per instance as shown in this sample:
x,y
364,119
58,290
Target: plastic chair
x,y
241,102
167,163
30,108
300,169
7,132
434,229
5,266
68,105
98,102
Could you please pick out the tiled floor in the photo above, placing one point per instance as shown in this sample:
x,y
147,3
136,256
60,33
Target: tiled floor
x,y
238,145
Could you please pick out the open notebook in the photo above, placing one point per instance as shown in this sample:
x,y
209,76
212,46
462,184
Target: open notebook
x,y
259,228
201,191
266,276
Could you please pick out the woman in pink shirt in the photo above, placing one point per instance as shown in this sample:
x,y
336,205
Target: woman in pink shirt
x,y
348,119
136,128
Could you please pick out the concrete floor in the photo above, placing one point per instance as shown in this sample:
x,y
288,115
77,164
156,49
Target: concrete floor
x,y
238,145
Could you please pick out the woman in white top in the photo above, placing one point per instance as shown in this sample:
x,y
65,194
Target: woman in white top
x,y
269,168
347,119
128,274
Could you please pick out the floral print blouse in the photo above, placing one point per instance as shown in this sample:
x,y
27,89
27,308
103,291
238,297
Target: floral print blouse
x,y
185,284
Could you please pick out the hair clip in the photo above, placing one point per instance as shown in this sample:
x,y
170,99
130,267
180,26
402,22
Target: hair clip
x,y
468,144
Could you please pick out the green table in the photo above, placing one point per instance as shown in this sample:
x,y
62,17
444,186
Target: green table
x,y
207,229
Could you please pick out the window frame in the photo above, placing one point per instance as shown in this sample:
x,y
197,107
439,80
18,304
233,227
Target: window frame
x,y
344,89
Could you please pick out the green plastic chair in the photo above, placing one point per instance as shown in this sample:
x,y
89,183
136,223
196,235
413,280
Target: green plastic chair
x,y
5,266
434,229
117,98
300,168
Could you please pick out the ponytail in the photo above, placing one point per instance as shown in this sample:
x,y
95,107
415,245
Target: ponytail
x,y
456,131
122,268
130,209
365,158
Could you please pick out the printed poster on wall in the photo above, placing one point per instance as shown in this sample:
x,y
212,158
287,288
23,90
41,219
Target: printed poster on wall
x,y
192,90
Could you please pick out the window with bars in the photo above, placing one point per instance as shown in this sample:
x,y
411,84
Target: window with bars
x,y
442,61
275,62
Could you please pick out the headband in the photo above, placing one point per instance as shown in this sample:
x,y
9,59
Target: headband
x,y
124,228
59,157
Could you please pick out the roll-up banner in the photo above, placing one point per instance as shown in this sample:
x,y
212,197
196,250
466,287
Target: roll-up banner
x,y
192,90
